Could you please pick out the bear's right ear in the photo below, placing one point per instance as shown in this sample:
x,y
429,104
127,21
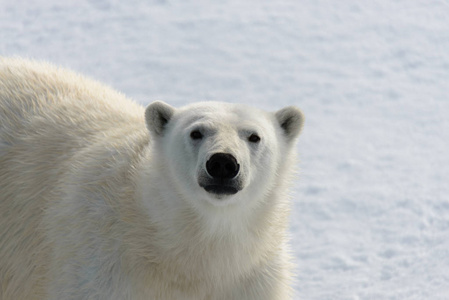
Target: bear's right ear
x,y
157,115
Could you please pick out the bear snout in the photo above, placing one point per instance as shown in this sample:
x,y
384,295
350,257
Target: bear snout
x,y
220,176
222,166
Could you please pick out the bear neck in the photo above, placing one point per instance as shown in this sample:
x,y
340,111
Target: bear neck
x,y
190,244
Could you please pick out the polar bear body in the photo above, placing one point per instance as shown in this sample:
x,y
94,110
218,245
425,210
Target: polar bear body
x,y
102,199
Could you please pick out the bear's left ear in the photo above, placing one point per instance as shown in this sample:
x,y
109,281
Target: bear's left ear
x,y
157,116
291,120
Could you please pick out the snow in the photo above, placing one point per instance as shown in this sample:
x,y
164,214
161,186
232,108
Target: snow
x,y
370,213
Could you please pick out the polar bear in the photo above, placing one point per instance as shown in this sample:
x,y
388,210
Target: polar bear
x,y
101,198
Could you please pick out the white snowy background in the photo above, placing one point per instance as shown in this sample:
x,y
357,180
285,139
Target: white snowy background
x,y
370,213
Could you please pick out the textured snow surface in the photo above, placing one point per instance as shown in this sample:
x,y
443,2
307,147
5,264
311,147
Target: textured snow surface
x,y
371,207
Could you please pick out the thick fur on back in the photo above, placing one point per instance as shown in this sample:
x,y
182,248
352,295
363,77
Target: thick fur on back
x,y
87,210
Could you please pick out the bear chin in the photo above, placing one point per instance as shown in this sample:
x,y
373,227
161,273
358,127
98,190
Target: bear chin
x,y
221,190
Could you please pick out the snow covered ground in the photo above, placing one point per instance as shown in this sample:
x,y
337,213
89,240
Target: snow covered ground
x,y
371,205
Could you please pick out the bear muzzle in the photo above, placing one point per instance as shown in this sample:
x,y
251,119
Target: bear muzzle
x,y
222,175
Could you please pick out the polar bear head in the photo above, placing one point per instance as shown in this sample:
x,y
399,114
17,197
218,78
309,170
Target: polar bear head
x,y
222,153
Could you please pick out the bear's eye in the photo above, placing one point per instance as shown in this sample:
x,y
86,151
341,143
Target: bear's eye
x,y
254,138
196,135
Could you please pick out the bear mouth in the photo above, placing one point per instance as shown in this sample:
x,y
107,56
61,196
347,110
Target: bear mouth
x,y
221,189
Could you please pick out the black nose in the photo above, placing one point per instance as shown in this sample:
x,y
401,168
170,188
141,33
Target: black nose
x,y
222,166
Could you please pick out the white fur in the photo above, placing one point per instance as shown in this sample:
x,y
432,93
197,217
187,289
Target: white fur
x,y
100,199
